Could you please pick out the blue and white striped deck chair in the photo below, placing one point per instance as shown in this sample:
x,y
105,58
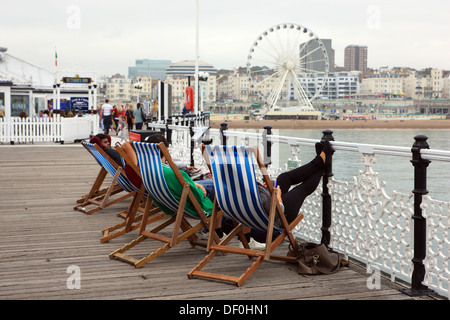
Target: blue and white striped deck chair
x,y
118,176
151,170
132,220
233,171
237,196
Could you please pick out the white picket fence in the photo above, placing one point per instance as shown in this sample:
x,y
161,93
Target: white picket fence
x,y
56,129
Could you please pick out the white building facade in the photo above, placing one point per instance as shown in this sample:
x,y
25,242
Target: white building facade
x,y
26,88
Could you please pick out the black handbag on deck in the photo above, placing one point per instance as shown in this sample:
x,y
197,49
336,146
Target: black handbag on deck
x,y
313,259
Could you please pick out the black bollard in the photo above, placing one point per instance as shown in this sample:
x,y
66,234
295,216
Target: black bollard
x,y
326,197
420,223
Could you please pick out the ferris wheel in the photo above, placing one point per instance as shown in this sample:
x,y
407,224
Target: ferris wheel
x,y
287,65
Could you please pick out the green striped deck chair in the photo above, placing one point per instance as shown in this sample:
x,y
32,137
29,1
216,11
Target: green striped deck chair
x,y
237,197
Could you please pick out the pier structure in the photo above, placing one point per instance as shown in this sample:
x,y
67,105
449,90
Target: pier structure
x,y
397,248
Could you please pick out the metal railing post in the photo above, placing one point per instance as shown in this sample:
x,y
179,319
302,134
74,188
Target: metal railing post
x,y
223,127
191,134
420,223
267,146
326,197
169,131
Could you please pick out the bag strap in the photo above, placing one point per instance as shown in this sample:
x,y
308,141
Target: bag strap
x,y
316,261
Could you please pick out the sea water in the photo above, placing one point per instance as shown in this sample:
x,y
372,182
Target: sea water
x,y
397,172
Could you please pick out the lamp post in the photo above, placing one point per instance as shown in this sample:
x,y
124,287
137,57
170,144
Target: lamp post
x,y
138,87
89,96
95,95
58,96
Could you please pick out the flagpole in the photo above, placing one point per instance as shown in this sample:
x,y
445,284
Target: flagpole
x,y
55,89
196,59
57,105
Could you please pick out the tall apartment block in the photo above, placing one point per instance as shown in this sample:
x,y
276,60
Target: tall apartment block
x,y
355,58
309,49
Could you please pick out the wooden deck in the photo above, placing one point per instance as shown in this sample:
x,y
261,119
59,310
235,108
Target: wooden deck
x,y
41,236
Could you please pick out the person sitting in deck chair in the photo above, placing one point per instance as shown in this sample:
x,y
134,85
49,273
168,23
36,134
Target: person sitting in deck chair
x,y
104,141
305,180
202,190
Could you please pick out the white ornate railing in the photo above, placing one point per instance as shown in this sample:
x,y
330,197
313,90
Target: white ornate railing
x,y
368,224
55,129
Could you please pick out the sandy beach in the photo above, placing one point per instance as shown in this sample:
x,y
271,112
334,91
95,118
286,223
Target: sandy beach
x,y
336,124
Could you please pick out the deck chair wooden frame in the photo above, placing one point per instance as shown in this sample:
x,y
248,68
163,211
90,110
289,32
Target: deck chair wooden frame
x,y
118,179
225,166
132,218
150,166
95,192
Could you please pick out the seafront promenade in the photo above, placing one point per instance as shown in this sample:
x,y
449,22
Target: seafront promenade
x,y
42,240
332,124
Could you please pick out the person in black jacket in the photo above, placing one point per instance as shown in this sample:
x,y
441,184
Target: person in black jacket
x,y
104,141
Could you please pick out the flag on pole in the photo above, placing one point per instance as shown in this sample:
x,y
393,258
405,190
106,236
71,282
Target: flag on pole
x,y
56,58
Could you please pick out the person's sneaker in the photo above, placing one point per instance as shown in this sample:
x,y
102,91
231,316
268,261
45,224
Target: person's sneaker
x,y
254,245
203,234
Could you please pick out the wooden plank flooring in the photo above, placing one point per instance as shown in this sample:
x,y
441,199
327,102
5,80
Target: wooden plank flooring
x,y
41,236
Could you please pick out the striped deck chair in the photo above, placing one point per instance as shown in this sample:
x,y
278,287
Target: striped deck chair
x,y
132,219
151,169
237,197
119,179
95,191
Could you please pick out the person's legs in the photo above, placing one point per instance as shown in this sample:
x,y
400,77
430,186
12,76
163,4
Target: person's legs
x,y
300,174
306,177
208,184
295,197
106,128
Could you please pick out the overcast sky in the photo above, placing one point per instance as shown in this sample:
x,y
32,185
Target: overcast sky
x,y
107,36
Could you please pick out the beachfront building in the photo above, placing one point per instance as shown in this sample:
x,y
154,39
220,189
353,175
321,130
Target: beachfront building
x,y
181,74
154,69
446,86
384,83
28,89
233,86
337,84
425,84
141,89
118,89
